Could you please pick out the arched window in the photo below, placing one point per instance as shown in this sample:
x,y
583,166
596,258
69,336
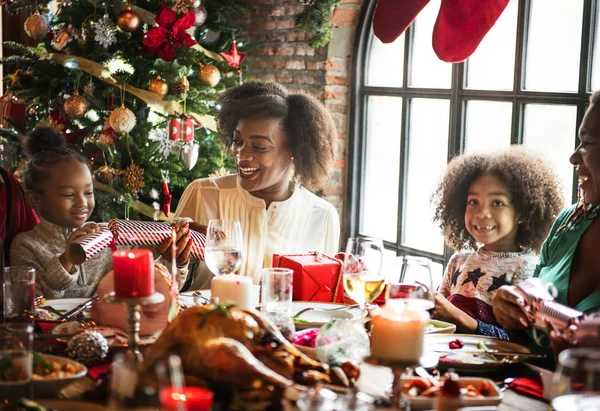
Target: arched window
x,y
527,83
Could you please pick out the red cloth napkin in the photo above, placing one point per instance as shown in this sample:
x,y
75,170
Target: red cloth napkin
x,y
99,370
528,386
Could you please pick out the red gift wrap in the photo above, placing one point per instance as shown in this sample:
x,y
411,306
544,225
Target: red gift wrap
x,y
181,128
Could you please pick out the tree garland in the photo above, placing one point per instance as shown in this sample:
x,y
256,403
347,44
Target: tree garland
x,y
316,19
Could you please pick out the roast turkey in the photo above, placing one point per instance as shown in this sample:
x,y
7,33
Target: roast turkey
x,y
153,317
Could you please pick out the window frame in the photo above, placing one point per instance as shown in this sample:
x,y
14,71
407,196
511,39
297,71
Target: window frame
x,y
458,96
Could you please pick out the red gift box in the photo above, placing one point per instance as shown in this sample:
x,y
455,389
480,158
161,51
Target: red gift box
x,y
317,277
13,110
181,127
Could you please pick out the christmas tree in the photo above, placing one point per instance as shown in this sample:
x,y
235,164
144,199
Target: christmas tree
x,y
131,85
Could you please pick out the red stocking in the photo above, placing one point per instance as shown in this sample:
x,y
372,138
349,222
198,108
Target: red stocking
x,y
392,17
462,24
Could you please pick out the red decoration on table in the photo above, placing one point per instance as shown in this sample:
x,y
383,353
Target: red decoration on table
x,y
165,198
134,273
233,57
170,33
529,386
181,127
459,28
192,398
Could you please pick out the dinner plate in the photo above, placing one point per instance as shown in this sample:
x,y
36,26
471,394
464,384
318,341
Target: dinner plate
x,y
318,318
439,327
59,307
471,357
116,337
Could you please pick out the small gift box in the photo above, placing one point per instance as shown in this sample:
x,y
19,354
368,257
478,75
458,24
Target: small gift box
x,y
181,127
317,277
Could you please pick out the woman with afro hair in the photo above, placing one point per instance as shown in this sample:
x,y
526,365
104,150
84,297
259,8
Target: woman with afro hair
x,y
283,146
495,211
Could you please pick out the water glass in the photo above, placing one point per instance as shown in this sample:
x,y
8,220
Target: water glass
x,y
576,382
19,294
16,359
276,290
224,245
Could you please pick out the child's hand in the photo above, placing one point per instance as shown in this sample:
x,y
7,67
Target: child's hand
x,y
86,229
446,311
184,245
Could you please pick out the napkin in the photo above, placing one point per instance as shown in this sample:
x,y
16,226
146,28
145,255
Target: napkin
x,y
528,386
97,371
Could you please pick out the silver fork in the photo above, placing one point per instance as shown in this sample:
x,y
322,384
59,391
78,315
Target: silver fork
x,y
198,294
345,307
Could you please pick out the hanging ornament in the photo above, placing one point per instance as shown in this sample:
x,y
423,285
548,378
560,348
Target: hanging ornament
x,y
209,74
189,154
133,178
106,32
62,38
105,174
122,120
180,87
20,77
170,32
88,89
183,6
181,127
36,26
233,57
76,106
128,20
158,86
165,198
13,108
201,14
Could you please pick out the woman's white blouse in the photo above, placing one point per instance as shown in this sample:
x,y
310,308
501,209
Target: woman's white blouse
x,y
302,223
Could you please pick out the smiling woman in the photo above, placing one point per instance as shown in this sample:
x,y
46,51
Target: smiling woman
x,y
283,145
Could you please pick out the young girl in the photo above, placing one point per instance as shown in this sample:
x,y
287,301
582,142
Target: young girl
x,y
59,187
495,211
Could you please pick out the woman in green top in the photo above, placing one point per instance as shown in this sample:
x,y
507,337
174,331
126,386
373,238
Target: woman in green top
x,y
570,256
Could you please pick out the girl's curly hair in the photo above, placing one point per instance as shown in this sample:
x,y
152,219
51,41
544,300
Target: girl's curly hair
x,y
308,125
535,191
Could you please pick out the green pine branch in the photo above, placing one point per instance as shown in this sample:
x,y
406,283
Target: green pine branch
x,y
316,20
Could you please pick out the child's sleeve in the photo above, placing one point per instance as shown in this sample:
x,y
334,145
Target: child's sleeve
x,y
446,285
51,278
490,330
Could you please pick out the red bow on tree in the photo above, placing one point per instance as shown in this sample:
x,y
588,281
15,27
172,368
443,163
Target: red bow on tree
x,y
169,33
233,57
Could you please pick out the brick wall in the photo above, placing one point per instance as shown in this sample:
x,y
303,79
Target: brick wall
x,y
284,56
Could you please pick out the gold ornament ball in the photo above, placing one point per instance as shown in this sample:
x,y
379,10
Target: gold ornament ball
x,y
36,26
209,74
128,20
158,86
76,106
181,87
122,120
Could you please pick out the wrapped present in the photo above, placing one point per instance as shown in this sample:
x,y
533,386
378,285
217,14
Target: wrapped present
x,y
317,277
181,127
11,108
126,232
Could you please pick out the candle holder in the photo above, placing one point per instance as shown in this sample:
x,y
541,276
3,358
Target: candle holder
x,y
427,360
134,305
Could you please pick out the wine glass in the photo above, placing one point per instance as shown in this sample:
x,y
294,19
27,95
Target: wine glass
x,y
363,279
223,252
411,284
576,382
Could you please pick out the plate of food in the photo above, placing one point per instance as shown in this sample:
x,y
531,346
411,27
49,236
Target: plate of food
x,y
422,393
467,352
439,327
51,310
322,313
116,337
50,374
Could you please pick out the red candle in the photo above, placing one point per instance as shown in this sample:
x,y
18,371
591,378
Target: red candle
x,y
186,398
134,273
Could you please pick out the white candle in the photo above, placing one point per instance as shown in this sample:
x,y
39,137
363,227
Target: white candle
x,y
233,289
398,335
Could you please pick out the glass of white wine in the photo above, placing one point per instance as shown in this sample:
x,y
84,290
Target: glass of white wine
x,y
363,279
223,253
576,383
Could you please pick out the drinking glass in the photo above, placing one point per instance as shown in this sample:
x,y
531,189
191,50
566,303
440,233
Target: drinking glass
x,y
411,284
19,294
16,359
363,279
223,252
123,381
277,290
576,382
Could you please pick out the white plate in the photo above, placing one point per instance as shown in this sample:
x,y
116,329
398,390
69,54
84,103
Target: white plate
x,y
65,304
440,327
116,337
317,318
462,360
420,403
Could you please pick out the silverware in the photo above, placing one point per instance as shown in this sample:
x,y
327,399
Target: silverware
x,y
493,352
345,307
75,311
